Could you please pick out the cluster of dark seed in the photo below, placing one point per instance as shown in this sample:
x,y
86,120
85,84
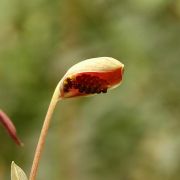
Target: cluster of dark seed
x,y
86,83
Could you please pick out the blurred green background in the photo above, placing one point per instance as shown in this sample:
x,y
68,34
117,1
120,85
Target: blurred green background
x,y
130,133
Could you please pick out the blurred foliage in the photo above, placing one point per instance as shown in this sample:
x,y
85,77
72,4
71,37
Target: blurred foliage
x,y
131,133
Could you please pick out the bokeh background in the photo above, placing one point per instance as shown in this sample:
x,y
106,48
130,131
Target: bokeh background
x,y
131,133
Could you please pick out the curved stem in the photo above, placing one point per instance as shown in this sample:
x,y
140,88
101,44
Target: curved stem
x,y
43,134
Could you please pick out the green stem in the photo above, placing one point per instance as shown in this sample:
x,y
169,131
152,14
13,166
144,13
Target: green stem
x,y
43,134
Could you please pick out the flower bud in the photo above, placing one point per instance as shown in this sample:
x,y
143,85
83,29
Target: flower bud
x,y
9,126
91,76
